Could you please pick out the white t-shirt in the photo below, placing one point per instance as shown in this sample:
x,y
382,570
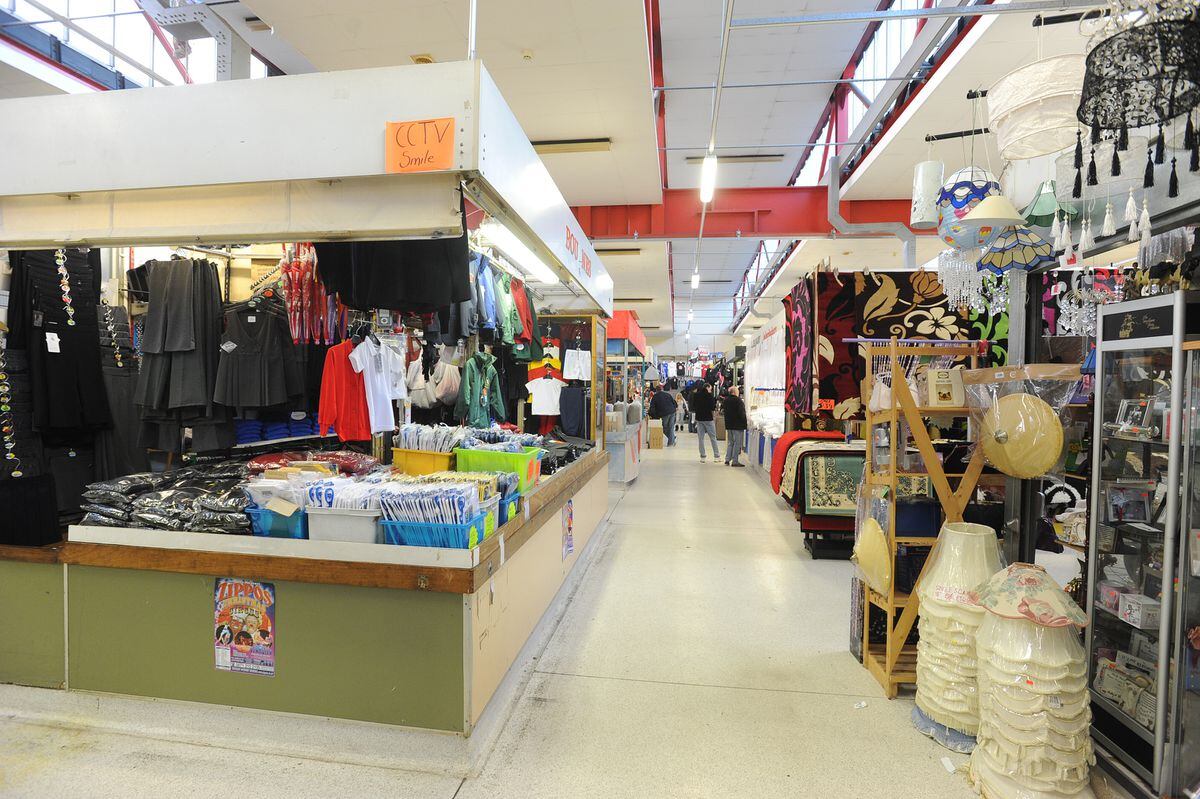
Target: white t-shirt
x,y
545,391
382,369
577,365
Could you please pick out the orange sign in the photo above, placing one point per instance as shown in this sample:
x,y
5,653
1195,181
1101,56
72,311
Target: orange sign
x,y
420,145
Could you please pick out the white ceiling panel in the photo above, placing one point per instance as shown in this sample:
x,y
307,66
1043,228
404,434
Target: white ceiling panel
x,y
587,74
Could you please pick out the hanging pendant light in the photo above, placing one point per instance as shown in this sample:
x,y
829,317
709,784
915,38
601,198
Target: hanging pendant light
x,y
1044,209
1032,109
927,184
996,211
1017,247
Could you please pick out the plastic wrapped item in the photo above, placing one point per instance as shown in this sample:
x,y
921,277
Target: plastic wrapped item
x,y
99,520
347,461
169,501
116,513
874,556
1035,710
158,520
132,484
273,460
1018,413
231,500
98,496
967,555
206,521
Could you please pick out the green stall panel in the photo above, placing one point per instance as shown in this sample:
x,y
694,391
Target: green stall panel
x,y
31,624
371,654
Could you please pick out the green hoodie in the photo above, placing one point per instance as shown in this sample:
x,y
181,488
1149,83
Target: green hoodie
x,y
479,396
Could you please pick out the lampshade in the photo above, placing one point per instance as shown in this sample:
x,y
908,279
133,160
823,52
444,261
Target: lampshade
x,y
1016,247
1041,211
1021,436
927,183
997,211
964,190
1026,591
1033,108
1145,75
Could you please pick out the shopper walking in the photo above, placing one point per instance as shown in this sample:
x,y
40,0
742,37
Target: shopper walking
x,y
703,404
735,427
664,407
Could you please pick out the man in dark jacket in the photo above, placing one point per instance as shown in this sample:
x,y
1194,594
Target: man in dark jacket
x,y
735,427
663,406
703,404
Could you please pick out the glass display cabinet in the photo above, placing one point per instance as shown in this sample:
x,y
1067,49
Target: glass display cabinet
x,y
1144,579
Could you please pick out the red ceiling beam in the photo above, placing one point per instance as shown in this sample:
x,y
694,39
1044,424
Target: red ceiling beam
x,y
772,213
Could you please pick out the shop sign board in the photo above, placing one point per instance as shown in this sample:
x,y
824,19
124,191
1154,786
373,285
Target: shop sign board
x,y
419,145
244,626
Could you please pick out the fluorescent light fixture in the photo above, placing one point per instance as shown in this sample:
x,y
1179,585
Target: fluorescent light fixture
x,y
503,239
708,178
546,146
695,280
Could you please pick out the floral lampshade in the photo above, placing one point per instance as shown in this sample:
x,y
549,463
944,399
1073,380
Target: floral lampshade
x,y
1033,108
1016,247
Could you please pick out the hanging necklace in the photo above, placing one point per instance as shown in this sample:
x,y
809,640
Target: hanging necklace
x,y
8,426
64,282
112,331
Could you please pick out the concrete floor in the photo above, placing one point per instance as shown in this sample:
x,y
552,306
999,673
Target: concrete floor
x,y
704,655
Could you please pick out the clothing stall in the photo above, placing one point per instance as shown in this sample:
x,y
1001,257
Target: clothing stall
x,y
389,166
574,367
627,350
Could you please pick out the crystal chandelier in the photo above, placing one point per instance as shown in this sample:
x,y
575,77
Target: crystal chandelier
x,y
958,272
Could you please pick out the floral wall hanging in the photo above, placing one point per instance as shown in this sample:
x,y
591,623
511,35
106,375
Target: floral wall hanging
x,y
798,353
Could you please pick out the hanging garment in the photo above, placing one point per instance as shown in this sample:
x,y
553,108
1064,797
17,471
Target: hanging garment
x,y
485,286
480,398
418,275
545,392
380,367
577,365
420,389
524,317
176,388
343,397
506,309
52,316
572,403
447,382
533,350
259,365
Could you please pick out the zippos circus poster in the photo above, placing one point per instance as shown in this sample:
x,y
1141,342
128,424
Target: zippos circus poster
x,y
244,626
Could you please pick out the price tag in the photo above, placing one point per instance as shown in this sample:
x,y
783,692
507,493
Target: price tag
x,y
52,343
229,346
502,556
251,319
282,506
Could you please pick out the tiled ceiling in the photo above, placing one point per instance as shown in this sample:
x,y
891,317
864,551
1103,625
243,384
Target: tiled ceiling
x,y
569,69
760,117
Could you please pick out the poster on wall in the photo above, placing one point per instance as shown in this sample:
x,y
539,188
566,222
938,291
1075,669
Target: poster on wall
x,y
568,528
244,626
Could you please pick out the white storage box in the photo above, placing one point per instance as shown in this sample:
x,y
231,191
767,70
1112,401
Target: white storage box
x,y
340,524
1140,611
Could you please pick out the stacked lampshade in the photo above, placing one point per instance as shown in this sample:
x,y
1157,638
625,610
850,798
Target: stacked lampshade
x,y
1034,710
947,665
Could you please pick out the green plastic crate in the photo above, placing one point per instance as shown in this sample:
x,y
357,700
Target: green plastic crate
x,y
527,465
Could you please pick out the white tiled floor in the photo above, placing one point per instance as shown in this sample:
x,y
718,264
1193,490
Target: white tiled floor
x,y
704,655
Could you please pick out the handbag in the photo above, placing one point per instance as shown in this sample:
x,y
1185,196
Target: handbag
x,y
447,382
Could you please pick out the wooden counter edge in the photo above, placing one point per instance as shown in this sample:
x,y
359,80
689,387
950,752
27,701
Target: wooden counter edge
x,y
51,553
541,511
440,579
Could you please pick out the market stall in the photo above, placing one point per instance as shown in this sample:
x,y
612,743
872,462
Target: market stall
x,y
627,368
410,631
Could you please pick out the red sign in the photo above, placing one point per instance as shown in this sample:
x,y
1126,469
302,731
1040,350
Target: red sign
x,y
577,253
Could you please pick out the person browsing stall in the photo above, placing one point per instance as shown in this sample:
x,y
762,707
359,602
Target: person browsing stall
x,y
664,407
703,403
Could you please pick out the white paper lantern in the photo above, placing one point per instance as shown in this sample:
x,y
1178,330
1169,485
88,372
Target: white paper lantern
x,y
1033,108
927,183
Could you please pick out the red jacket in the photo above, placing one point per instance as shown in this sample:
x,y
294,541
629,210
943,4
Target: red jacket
x,y
522,304
779,456
343,397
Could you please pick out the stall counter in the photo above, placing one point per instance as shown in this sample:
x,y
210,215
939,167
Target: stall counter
x,y
420,643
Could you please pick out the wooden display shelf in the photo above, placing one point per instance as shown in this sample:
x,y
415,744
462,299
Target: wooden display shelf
x,y
902,672
899,599
893,663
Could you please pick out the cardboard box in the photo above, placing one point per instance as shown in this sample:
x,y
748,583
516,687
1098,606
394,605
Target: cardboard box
x,y
1110,595
656,437
1140,611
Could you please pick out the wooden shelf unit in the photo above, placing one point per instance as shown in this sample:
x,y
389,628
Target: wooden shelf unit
x,y
894,662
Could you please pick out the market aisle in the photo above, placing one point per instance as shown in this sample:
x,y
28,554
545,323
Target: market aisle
x,y
705,654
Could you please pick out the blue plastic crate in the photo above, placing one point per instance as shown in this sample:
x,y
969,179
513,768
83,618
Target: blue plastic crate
x,y
424,534
508,508
273,525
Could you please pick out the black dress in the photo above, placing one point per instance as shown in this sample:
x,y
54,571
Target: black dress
x,y
259,365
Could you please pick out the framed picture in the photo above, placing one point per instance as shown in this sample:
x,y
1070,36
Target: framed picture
x,y
1133,413
1082,394
1127,504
